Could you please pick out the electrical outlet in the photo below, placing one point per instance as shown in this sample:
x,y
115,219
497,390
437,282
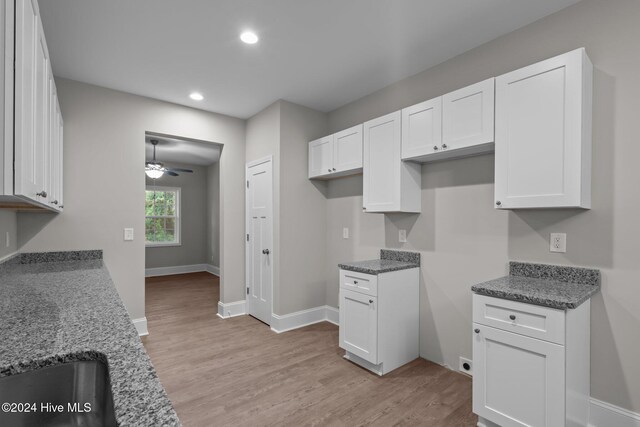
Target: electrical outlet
x,y
465,366
558,242
402,236
345,233
128,234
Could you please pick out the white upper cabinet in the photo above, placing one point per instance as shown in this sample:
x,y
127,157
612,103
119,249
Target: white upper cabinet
x,y
422,128
347,149
35,138
389,185
454,125
543,134
468,115
320,156
336,155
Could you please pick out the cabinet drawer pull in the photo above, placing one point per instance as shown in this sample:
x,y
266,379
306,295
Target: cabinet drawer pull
x,y
512,317
355,282
435,148
477,331
370,301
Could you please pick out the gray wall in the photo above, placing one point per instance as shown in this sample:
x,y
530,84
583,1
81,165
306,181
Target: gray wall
x,y
463,240
8,224
283,130
193,219
213,215
106,129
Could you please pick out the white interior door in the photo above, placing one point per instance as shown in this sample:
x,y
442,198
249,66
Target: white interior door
x,y
259,226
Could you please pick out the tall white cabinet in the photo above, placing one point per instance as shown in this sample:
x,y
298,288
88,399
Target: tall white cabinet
x,y
543,134
33,126
389,184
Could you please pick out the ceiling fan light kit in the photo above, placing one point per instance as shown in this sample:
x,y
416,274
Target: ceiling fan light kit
x,y
155,169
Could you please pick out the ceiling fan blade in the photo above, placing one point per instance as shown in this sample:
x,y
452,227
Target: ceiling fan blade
x,y
180,170
171,173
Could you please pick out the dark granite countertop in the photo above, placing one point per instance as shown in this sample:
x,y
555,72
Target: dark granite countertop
x,y
559,287
68,309
389,261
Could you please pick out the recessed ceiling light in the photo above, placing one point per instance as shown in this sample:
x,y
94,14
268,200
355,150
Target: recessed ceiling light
x,y
249,37
196,96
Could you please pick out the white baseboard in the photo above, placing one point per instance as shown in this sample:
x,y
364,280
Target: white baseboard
x,y
213,269
141,326
181,269
9,256
299,319
232,309
603,414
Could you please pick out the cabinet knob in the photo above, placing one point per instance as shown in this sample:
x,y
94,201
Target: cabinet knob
x,y
334,169
42,194
435,148
444,146
355,282
329,170
498,203
55,202
477,331
266,251
370,301
364,209
61,206
512,317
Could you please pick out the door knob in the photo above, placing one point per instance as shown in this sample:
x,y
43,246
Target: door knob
x,y
265,251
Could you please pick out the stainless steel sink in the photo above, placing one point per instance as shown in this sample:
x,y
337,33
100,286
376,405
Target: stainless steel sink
x,y
71,394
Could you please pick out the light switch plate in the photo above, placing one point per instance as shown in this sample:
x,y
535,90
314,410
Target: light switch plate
x,y
402,236
558,242
345,233
128,234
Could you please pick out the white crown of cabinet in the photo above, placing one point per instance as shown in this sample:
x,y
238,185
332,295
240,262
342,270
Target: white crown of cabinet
x,y
543,134
336,155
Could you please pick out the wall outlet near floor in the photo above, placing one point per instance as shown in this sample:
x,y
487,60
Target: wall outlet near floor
x,y
402,236
465,366
345,233
128,234
558,242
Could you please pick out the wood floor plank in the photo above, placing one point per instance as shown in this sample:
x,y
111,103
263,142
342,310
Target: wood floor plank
x,y
237,372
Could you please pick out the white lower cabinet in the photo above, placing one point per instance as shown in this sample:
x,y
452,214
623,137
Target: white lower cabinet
x,y
522,380
379,318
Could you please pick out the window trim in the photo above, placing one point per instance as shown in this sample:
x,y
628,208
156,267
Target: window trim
x,y
178,218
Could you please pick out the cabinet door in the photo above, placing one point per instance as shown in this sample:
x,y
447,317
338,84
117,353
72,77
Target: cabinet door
x,y
422,128
321,157
543,134
60,158
468,116
381,165
359,324
517,380
347,149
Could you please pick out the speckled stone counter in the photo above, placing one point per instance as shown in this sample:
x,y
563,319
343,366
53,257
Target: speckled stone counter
x,y
389,261
552,286
69,309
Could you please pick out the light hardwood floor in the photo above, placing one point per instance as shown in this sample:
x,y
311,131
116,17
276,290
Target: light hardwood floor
x,y
237,372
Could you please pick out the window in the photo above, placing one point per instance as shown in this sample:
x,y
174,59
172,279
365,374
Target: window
x,y
162,221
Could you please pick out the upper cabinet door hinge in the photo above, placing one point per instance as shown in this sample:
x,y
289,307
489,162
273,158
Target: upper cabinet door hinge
x,y
247,237
247,184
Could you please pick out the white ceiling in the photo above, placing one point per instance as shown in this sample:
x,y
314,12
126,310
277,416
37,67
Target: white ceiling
x,y
318,53
174,150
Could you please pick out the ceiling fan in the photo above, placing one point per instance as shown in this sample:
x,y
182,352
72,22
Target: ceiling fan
x,y
155,169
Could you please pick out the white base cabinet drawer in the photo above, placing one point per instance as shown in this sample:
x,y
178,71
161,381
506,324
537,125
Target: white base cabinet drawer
x,y
359,282
531,320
